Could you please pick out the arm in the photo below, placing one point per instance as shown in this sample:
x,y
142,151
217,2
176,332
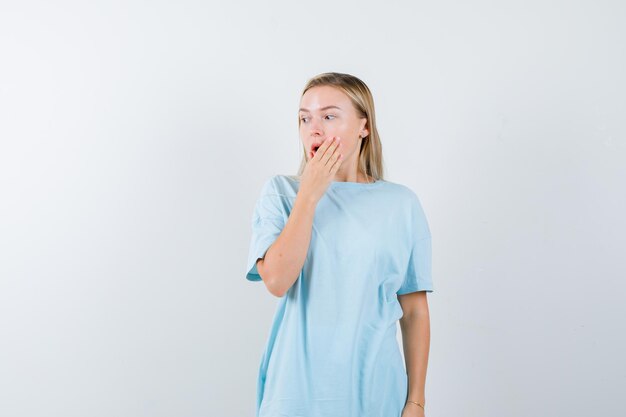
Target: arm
x,y
415,326
285,258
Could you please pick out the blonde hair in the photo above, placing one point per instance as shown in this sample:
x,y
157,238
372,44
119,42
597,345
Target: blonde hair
x,y
370,160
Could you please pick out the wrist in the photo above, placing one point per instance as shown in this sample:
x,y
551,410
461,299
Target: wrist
x,y
416,403
306,199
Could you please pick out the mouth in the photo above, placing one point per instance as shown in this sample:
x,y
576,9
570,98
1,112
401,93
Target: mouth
x,y
315,147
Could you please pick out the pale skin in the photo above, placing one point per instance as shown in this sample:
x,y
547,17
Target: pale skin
x,y
327,113
415,327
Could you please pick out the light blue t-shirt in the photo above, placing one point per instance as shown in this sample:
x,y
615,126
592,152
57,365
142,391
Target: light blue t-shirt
x,y
332,349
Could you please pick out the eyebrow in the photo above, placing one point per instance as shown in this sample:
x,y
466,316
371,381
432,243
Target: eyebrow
x,y
323,108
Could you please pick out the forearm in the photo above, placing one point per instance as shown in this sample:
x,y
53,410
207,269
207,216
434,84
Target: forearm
x,y
285,258
416,346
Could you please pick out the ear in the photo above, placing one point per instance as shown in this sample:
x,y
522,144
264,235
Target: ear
x,y
364,130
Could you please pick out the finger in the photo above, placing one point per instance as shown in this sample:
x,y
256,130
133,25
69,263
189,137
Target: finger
x,y
336,163
332,148
333,154
325,145
320,151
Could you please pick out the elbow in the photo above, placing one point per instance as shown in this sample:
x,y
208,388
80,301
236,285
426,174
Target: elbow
x,y
269,280
273,288
277,292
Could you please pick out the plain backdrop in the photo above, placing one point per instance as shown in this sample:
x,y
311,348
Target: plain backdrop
x,y
135,137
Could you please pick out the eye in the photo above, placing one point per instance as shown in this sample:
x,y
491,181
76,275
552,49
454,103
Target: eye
x,y
330,115
303,119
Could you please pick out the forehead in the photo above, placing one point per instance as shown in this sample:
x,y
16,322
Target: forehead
x,y
324,95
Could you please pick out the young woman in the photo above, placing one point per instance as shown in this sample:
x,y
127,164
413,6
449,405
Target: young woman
x,y
348,254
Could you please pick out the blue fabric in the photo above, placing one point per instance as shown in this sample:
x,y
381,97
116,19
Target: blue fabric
x,y
332,348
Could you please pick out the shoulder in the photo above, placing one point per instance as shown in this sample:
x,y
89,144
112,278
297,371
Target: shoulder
x,y
413,208
403,193
280,185
419,220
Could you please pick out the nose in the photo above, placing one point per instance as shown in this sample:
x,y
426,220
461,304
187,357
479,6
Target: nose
x,y
315,128
315,133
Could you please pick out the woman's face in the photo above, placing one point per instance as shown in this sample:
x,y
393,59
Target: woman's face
x,y
325,112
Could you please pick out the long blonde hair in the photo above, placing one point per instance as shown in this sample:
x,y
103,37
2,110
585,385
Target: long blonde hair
x,y
370,154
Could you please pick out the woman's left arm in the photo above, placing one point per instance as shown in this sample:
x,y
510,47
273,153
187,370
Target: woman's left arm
x,y
415,326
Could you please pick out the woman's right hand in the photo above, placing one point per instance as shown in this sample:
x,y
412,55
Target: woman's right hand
x,y
320,170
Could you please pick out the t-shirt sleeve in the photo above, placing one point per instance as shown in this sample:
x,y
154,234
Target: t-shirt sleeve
x,y
418,275
268,220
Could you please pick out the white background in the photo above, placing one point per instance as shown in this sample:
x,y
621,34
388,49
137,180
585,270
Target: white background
x,y
135,137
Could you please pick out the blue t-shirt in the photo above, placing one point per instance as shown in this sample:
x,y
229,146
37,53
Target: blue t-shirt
x,y
332,348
